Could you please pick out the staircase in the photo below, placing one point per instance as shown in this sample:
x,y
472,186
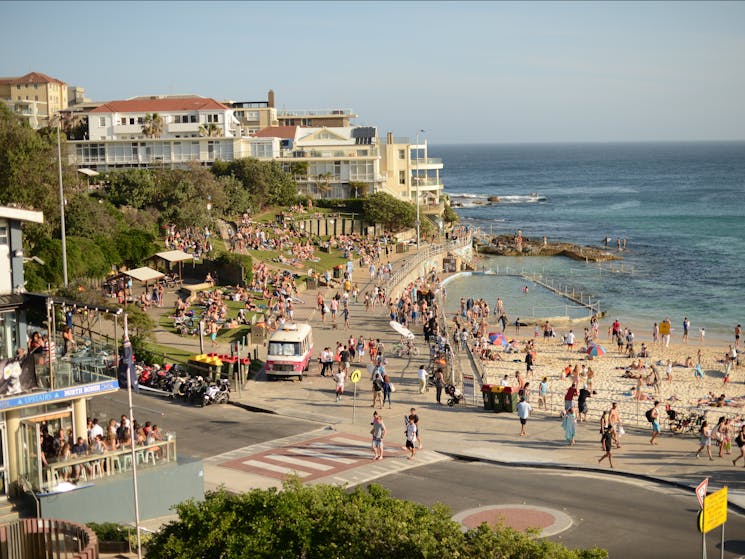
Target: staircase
x,y
8,511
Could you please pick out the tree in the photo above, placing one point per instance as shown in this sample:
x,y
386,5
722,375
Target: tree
x,y
394,214
212,130
265,181
328,521
359,189
132,187
28,172
153,125
449,214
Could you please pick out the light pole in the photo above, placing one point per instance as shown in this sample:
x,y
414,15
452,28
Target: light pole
x,y
61,205
416,163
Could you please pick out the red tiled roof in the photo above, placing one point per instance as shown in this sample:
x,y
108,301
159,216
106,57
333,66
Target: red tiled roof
x,y
30,78
160,105
276,132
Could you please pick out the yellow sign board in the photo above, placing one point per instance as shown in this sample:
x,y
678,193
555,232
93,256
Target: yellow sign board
x,y
715,510
356,376
664,328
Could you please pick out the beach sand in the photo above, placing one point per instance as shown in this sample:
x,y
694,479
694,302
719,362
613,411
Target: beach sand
x,y
610,385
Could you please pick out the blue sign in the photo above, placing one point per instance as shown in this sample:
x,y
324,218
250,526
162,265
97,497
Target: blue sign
x,y
61,394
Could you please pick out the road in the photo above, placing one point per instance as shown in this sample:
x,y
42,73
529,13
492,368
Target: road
x,y
200,432
629,518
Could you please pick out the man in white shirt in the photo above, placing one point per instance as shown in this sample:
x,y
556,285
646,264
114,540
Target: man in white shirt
x,y
505,381
523,412
95,429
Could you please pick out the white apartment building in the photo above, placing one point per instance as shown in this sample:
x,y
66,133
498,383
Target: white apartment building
x,y
193,129
333,160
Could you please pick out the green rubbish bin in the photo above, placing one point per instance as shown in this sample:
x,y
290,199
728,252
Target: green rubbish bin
x,y
489,401
509,400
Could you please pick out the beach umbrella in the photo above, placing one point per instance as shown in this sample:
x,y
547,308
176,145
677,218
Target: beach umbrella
x,y
497,339
596,351
405,332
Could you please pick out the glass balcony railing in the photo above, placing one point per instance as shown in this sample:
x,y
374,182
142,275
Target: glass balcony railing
x,y
426,161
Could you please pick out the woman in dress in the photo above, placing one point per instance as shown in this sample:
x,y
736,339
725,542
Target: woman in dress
x,y
569,423
705,439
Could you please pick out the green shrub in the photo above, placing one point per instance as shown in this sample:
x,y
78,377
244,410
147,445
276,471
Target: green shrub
x,y
110,531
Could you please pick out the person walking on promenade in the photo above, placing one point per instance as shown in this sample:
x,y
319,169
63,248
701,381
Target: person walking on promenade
x,y
387,389
614,419
523,412
415,415
377,385
705,440
569,423
543,393
654,414
411,437
339,378
607,442
422,375
740,442
582,406
439,385
378,433
569,398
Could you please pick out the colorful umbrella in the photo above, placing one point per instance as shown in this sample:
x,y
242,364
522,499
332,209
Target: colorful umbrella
x,y
596,351
496,338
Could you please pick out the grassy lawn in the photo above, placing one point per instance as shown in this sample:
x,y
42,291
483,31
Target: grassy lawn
x,y
172,354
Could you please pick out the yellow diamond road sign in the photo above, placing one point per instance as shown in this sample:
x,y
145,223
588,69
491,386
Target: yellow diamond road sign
x,y
715,510
356,376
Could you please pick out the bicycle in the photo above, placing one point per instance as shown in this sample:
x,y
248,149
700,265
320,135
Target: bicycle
x,y
405,349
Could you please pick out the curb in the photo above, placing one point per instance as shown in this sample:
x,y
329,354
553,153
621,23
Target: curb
x,y
579,468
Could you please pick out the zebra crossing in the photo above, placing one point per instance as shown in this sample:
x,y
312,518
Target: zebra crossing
x,y
337,458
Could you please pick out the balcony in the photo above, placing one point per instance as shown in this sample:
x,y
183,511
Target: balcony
x,y
425,182
316,112
427,163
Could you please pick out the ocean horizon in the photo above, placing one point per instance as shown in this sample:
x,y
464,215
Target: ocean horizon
x,y
680,207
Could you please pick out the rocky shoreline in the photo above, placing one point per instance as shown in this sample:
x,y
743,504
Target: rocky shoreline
x,y
505,245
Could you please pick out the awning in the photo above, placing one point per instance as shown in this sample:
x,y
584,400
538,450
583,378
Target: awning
x,y
89,172
144,274
174,256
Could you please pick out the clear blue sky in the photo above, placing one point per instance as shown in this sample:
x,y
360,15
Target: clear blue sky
x,y
469,72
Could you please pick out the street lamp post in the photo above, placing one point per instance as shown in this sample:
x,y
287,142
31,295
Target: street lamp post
x,y
61,205
418,222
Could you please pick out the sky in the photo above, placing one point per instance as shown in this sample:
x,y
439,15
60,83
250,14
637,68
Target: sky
x,y
465,72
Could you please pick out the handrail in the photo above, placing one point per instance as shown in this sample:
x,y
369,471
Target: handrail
x,y
167,454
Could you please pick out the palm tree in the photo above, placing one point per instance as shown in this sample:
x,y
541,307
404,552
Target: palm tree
x,y
153,125
212,130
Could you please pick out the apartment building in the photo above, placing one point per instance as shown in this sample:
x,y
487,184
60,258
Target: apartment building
x,y
35,96
164,131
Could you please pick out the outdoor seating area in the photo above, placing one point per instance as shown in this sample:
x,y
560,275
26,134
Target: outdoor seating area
x,y
97,466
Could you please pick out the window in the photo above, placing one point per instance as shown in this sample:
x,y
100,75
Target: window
x,y
402,154
193,118
3,234
402,177
102,121
285,349
213,118
252,115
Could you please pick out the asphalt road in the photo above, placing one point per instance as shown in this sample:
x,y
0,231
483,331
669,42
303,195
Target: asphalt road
x,y
629,518
200,432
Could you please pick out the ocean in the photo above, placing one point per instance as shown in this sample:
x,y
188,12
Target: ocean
x,y
679,206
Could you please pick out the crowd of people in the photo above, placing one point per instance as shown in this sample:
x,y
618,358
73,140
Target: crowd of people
x,y
118,435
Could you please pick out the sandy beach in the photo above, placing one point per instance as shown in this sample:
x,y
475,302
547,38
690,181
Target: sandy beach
x,y
683,393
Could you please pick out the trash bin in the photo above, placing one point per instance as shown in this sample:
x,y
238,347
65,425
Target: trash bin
x,y
311,283
488,396
497,394
337,272
509,400
402,247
